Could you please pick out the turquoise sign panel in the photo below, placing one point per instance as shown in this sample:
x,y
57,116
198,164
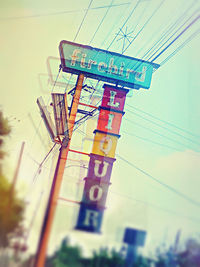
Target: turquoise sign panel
x,y
105,65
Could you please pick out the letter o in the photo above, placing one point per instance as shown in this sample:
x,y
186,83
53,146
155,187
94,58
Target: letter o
x,y
95,189
106,147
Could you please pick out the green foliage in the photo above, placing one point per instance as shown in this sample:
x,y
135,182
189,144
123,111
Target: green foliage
x,y
4,130
189,257
11,208
142,262
4,126
11,211
66,256
105,258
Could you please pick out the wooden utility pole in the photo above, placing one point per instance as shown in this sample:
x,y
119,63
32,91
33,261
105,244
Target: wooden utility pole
x,y
17,169
57,180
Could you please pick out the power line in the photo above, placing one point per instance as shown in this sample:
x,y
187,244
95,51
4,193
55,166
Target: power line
x,y
102,20
113,25
165,128
83,20
170,188
134,8
147,21
175,191
167,32
42,162
178,36
196,220
161,120
151,141
172,35
155,132
180,47
62,12
141,15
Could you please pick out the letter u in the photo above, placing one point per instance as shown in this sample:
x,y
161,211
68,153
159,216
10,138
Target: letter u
x,y
97,168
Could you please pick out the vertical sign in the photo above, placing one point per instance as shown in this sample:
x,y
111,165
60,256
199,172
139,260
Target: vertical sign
x,y
60,113
47,118
101,159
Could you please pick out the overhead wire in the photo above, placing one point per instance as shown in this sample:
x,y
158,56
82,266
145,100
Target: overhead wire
x,y
166,186
180,47
150,141
86,12
79,28
145,203
42,162
163,127
131,13
173,34
163,121
146,23
176,38
61,12
101,22
155,206
155,132
140,17
113,25
79,122
166,32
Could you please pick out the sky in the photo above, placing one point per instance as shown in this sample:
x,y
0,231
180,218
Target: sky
x,y
160,131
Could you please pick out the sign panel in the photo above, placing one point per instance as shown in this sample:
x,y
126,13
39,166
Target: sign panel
x,y
105,144
105,65
60,113
109,120
47,118
100,167
114,97
101,159
134,237
95,193
89,219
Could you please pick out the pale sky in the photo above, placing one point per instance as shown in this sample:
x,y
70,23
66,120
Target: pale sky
x,y
30,33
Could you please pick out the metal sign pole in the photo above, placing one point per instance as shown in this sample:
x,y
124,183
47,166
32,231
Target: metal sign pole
x,y
57,180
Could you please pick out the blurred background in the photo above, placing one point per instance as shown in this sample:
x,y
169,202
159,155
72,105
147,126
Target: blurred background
x,y
155,179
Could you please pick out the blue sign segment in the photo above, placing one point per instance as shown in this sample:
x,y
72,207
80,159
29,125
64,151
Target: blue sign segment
x,y
89,219
105,65
95,193
134,237
100,167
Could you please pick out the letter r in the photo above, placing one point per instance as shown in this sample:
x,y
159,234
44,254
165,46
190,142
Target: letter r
x,y
91,218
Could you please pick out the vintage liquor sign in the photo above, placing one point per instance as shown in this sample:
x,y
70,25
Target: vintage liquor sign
x,y
101,161
105,65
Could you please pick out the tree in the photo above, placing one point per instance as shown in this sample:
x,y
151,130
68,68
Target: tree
x,y
191,256
106,258
65,256
4,130
11,208
68,256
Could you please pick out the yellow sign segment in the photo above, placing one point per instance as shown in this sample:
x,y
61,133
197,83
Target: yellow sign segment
x,y
105,144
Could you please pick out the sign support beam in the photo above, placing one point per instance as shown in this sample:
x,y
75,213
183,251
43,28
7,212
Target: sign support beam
x,y
57,180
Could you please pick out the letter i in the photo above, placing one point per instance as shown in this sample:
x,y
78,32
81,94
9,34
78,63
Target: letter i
x,y
110,120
